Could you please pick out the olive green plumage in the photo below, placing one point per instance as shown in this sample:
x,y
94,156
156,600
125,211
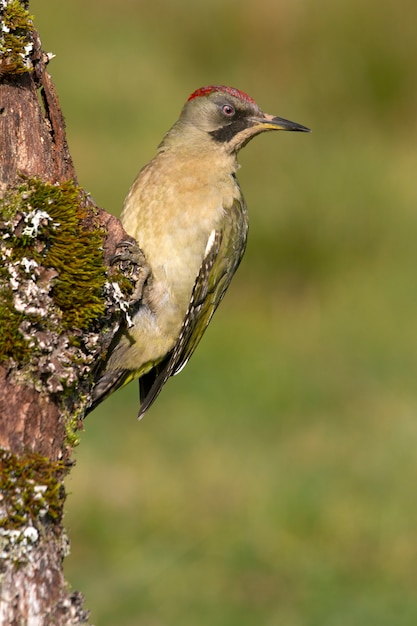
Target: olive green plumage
x,y
188,215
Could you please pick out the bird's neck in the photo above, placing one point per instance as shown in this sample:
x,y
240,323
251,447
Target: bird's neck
x,y
191,144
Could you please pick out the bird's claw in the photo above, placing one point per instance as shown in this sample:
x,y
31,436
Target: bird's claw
x,y
133,261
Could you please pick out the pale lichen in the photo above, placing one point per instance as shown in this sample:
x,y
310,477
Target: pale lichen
x,y
55,303
34,220
30,492
16,545
115,293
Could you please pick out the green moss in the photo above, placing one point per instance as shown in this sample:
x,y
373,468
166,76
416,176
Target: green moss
x,y
126,283
16,28
73,424
12,341
32,489
42,224
74,252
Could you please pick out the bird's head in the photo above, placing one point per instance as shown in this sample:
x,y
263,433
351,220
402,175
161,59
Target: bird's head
x,y
229,117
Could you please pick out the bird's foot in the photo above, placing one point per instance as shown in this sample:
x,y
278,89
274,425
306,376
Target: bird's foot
x,y
132,261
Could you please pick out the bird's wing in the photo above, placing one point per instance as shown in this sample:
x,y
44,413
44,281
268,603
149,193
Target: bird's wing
x,y
199,313
223,254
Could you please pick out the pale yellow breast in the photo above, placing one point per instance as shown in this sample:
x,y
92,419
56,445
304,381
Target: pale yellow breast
x,y
171,210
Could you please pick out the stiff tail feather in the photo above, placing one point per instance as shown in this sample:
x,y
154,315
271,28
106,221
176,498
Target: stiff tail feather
x,y
109,382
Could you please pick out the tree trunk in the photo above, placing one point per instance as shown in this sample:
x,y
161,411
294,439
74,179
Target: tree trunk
x,y
59,310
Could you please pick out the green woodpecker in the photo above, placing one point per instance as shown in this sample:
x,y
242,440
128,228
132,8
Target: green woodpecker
x,y
187,213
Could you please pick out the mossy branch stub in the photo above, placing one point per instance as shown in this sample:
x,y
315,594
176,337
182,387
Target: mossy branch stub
x,y
52,281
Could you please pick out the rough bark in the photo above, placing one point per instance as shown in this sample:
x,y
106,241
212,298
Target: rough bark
x,y
47,362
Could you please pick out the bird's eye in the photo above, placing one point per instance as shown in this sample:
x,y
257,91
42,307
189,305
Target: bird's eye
x,y
228,110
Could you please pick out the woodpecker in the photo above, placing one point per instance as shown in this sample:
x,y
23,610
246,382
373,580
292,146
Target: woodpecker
x,y
188,215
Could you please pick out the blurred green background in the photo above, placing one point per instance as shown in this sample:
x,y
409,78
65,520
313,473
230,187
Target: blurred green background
x,y
274,481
